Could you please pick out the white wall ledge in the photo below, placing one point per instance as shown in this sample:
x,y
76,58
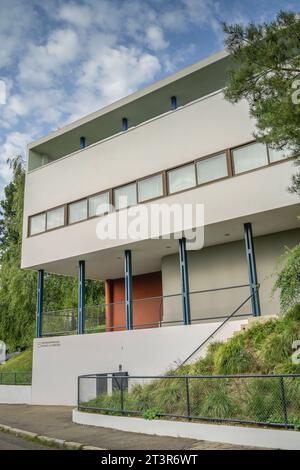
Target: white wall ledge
x,y
237,435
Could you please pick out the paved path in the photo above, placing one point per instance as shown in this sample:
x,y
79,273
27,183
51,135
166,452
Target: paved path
x,y
9,442
56,421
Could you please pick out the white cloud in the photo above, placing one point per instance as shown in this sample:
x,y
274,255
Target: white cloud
x,y
155,38
77,15
110,75
41,62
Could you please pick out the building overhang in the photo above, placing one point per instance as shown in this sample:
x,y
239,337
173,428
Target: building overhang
x,y
192,83
147,254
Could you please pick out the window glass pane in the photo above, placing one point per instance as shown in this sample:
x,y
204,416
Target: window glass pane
x,y
277,155
37,224
99,204
150,188
182,178
212,168
55,218
249,157
125,196
77,211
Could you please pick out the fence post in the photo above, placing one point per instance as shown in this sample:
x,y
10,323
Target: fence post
x,y
283,402
122,395
188,405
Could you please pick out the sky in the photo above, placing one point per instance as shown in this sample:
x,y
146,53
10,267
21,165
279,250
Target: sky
x,y
60,60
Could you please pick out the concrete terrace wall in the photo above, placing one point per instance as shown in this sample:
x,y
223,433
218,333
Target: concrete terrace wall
x,y
15,394
226,265
57,362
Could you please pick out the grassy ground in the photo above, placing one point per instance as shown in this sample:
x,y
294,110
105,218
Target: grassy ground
x,y
20,365
265,348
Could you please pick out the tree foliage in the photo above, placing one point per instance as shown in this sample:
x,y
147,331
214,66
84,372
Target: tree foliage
x,y
288,280
266,72
18,287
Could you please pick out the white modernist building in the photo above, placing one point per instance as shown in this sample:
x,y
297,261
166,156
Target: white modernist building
x,y
176,142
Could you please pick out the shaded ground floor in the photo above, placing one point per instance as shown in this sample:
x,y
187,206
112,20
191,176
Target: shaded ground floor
x,y
56,421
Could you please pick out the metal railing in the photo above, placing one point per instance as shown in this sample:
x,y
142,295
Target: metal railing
x,y
15,378
165,310
267,400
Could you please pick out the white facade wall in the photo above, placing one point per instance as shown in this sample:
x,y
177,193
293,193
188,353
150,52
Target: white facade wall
x,y
226,265
57,362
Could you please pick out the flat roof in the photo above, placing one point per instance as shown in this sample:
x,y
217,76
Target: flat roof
x,y
188,84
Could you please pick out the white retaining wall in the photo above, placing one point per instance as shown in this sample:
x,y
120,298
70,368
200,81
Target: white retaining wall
x,y
15,394
256,437
58,361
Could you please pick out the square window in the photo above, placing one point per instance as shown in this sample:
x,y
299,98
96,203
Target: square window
x,y
55,218
249,157
150,188
99,204
37,224
125,196
212,168
77,211
182,178
277,155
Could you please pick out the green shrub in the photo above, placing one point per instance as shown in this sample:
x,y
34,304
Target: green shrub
x,y
288,280
152,413
218,402
234,357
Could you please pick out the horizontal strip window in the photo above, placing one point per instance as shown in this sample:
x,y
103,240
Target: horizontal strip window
x,y
99,204
197,173
181,178
37,224
150,188
77,211
249,157
55,218
277,155
212,168
125,196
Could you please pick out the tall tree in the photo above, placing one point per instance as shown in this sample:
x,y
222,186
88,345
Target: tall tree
x,y
17,286
266,72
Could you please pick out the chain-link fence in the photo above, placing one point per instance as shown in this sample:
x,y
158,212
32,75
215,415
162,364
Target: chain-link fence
x,y
15,378
270,400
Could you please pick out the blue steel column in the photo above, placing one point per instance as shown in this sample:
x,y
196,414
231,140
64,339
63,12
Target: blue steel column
x,y
128,289
40,299
184,274
250,253
81,297
124,124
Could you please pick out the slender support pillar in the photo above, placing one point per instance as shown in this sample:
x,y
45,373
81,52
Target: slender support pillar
x,y
173,102
250,253
184,274
81,297
128,289
40,300
124,124
82,142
